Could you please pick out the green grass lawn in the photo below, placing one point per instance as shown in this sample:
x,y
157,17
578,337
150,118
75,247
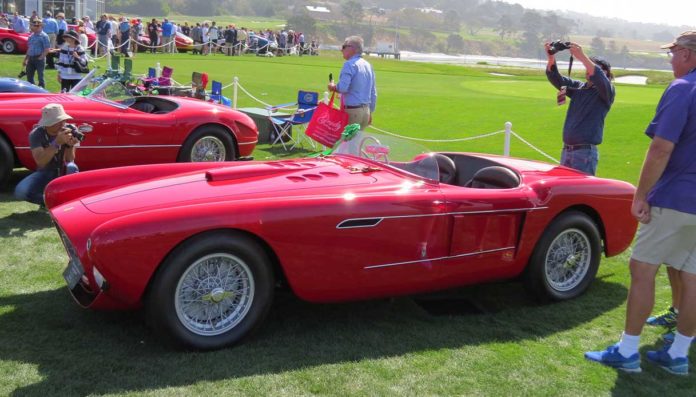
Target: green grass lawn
x,y
49,346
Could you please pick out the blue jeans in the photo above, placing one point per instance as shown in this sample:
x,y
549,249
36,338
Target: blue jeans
x,y
584,160
31,188
36,65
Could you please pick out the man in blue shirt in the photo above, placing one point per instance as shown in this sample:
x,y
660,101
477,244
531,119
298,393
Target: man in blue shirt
x,y
590,102
356,84
50,27
103,34
167,36
38,47
19,24
62,27
665,204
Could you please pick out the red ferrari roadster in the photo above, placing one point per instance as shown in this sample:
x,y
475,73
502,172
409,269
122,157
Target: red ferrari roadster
x,y
127,130
11,41
202,246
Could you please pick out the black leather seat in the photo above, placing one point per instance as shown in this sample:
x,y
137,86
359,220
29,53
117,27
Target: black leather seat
x,y
447,168
494,177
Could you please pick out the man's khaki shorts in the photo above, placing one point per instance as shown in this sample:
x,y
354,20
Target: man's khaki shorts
x,y
669,238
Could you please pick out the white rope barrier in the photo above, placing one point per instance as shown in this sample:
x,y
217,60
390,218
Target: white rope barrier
x,y
471,138
534,147
252,97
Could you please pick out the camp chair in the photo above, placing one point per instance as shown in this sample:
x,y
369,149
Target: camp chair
x,y
164,80
306,103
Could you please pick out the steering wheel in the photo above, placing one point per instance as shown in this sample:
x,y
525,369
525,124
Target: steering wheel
x,y
369,152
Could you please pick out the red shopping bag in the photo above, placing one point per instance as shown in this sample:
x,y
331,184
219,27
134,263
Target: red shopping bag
x,y
327,123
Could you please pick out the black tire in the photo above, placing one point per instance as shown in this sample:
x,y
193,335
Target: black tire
x,y
211,137
569,247
6,163
185,312
9,46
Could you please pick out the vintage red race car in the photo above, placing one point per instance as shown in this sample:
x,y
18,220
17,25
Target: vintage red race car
x,y
13,42
183,42
127,130
203,246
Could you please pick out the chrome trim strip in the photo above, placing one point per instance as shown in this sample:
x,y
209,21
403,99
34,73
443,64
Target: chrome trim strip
x,y
116,147
438,259
249,143
442,214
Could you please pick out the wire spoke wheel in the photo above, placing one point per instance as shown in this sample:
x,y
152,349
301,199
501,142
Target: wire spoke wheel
x,y
208,148
214,294
568,260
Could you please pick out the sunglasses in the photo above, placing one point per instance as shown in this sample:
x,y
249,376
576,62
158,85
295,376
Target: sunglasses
x,y
343,47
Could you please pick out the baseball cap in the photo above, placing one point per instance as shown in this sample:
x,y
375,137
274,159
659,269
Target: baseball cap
x,y
686,39
52,114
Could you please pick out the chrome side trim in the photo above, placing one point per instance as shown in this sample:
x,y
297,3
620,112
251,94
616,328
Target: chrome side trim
x,y
116,147
249,143
438,259
381,218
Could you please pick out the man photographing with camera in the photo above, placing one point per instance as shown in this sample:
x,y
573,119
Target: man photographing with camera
x,y
590,102
52,144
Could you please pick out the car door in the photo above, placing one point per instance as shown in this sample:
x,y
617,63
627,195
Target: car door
x,y
147,138
486,226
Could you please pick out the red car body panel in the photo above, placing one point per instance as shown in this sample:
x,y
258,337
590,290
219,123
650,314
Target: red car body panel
x,y
309,213
183,42
122,137
20,40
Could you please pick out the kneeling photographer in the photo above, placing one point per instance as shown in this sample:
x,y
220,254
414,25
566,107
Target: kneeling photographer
x,y
52,144
590,102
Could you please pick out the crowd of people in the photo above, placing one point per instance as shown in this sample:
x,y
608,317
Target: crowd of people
x,y
127,35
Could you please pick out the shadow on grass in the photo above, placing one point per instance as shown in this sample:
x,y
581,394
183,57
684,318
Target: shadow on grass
x,y
80,352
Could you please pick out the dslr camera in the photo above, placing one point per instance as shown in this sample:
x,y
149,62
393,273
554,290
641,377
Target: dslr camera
x,y
557,46
22,74
75,132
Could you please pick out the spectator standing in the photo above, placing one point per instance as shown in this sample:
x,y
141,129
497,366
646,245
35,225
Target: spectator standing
x,y
38,47
4,22
124,29
152,34
665,205
115,36
88,22
214,37
70,54
50,27
136,30
205,38
103,34
301,40
84,40
167,35
230,39
590,102
53,149
197,38
242,36
356,84
62,27
186,29
19,24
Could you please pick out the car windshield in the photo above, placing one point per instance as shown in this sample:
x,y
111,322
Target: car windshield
x,y
105,90
393,152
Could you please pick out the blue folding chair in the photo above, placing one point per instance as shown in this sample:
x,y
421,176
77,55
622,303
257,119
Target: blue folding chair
x,y
307,102
216,94
151,73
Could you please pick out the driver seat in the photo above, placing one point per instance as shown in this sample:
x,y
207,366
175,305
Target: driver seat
x,y
447,169
494,177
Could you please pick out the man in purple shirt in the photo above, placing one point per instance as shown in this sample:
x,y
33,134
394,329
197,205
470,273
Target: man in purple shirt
x,y
356,84
665,204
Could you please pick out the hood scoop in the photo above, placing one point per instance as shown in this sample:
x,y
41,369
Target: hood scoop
x,y
232,173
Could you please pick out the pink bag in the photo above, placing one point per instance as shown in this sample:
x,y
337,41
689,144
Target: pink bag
x,y
327,123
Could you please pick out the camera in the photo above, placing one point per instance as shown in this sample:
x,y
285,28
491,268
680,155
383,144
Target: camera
x,y
75,132
557,46
22,74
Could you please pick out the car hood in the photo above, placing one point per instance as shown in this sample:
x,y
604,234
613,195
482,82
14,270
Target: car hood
x,y
243,181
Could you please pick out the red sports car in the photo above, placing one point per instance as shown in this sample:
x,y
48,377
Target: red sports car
x,y
203,246
183,42
13,42
127,130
